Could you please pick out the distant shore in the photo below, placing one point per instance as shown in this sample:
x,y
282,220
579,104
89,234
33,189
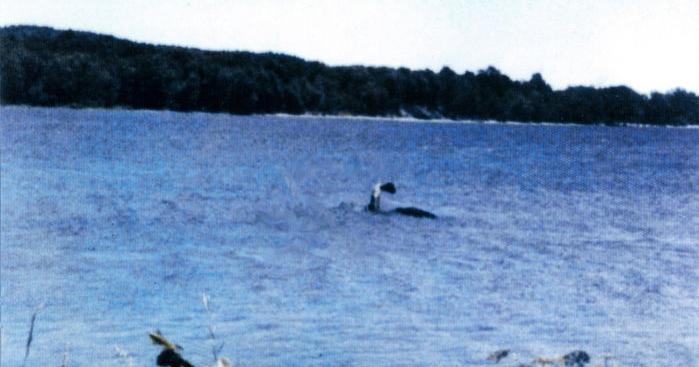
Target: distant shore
x,y
410,119
48,67
400,119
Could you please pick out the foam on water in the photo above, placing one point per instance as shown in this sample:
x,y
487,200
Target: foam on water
x,y
550,238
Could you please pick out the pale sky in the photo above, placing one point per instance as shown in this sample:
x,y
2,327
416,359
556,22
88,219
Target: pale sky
x,y
647,45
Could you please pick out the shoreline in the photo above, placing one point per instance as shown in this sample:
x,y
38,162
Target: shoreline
x,y
122,73
409,119
401,119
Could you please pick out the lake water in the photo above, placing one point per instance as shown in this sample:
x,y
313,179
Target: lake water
x,y
550,238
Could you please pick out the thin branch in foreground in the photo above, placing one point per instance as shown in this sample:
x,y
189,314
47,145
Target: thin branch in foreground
x,y
169,356
217,347
30,337
65,356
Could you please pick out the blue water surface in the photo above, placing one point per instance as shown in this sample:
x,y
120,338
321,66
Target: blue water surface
x,y
550,238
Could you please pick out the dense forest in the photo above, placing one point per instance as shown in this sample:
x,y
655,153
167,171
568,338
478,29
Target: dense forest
x,y
46,67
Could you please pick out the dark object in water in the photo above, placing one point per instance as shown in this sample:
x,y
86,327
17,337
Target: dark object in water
x,y
389,187
170,358
498,355
415,212
375,202
576,358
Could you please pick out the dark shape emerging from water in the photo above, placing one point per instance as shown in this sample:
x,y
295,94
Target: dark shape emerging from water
x,y
169,357
498,355
415,212
375,203
576,358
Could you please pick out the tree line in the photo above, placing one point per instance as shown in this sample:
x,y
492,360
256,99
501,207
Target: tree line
x,y
46,67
